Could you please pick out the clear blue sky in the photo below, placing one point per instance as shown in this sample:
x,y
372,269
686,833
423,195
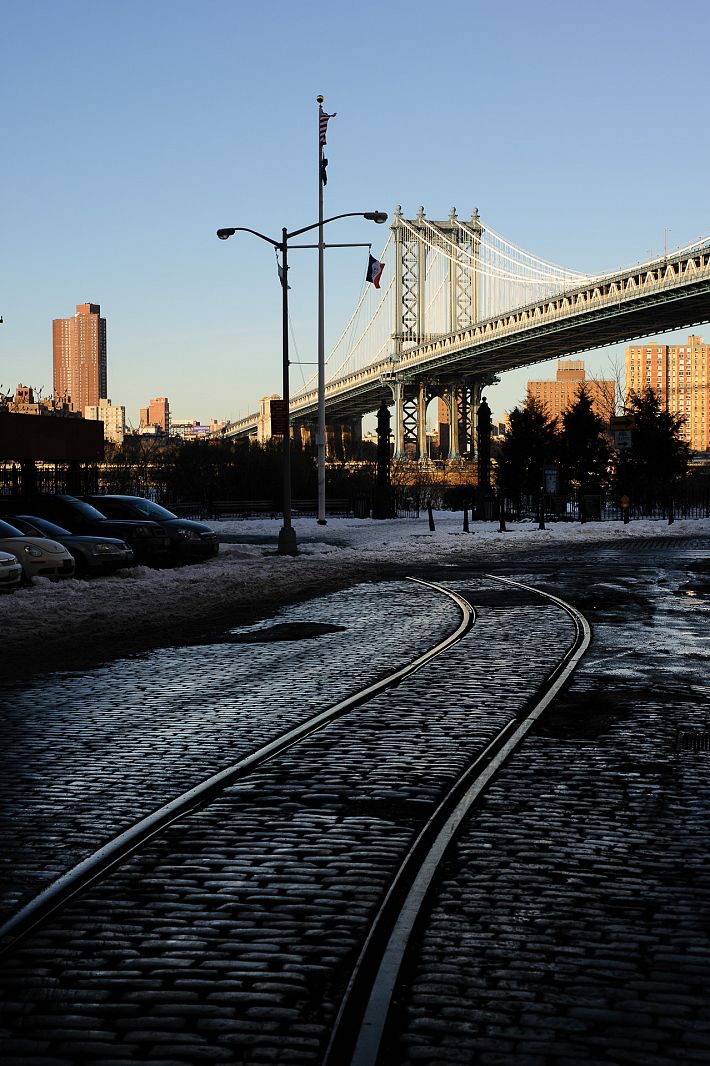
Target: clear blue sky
x,y
131,131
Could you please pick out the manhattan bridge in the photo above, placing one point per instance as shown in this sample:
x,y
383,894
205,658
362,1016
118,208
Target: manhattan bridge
x,y
460,305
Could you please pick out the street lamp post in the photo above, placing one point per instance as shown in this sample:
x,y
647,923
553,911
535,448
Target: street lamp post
x,y
287,534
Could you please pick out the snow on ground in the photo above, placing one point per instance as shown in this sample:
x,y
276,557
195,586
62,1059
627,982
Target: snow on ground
x,y
345,549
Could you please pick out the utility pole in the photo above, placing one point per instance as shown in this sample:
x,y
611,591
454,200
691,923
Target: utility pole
x,y
320,434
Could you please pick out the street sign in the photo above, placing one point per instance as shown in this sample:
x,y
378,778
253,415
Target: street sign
x,y
621,427
279,418
551,479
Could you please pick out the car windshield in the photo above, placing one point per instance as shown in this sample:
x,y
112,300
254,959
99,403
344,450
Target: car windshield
x,y
86,510
47,529
6,530
138,506
152,510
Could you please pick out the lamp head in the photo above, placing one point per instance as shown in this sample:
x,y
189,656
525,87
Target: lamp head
x,y
376,216
224,233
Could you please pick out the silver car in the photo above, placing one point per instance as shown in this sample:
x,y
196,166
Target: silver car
x,y
37,556
10,572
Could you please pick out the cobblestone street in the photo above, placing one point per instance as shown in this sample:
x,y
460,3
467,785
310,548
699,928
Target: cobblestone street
x,y
573,925
570,922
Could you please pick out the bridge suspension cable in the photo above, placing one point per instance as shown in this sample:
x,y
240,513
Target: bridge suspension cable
x,y
450,284
501,275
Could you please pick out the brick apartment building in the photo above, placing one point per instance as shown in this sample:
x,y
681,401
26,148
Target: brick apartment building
x,y
680,376
156,415
557,395
79,358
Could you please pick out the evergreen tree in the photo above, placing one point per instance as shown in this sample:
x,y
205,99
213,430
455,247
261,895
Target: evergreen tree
x,y
658,459
529,444
584,447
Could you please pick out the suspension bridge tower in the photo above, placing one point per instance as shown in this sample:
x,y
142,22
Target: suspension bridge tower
x,y
434,259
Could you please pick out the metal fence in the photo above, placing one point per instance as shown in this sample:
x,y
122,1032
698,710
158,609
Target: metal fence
x,y
84,478
18,479
589,508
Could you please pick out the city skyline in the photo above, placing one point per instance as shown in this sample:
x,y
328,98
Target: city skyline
x,y
187,134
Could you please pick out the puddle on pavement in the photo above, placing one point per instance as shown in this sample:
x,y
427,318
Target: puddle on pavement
x,y
615,604
588,716
284,631
696,590
583,716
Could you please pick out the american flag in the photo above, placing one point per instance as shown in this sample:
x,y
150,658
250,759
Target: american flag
x,y
323,123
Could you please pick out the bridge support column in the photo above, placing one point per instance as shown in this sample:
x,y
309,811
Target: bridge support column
x,y
307,434
356,434
464,437
350,437
476,386
398,394
451,401
421,421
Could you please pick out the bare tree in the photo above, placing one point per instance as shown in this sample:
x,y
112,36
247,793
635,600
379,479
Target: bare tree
x,y
607,406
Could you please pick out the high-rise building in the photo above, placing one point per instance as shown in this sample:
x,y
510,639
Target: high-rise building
x,y
156,415
113,418
79,357
559,395
680,376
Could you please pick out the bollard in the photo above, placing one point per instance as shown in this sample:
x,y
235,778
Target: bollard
x,y
671,516
625,512
432,527
465,519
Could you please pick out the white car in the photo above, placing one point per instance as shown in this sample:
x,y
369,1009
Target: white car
x,y
37,556
10,572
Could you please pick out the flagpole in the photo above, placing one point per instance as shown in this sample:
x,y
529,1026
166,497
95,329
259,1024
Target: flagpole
x,y
320,435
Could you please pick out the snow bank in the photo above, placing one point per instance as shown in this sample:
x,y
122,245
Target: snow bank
x,y
347,549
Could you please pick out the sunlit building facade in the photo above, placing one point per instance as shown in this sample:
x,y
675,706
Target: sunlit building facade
x,y
558,395
679,375
79,358
156,415
113,418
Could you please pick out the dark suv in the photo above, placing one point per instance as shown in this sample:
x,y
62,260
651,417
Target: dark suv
x,y
150,545
189,540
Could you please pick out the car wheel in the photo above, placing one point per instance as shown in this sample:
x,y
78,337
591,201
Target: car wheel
x,y
81,567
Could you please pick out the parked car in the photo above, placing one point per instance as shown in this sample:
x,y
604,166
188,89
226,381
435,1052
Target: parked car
x,y
149,543
10,572
190,541
92,554
37,557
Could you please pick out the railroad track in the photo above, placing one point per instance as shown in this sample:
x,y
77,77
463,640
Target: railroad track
x,y
421,816
114,851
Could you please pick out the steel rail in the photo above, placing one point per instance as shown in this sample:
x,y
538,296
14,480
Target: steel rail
x,y
360,1023
121,846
